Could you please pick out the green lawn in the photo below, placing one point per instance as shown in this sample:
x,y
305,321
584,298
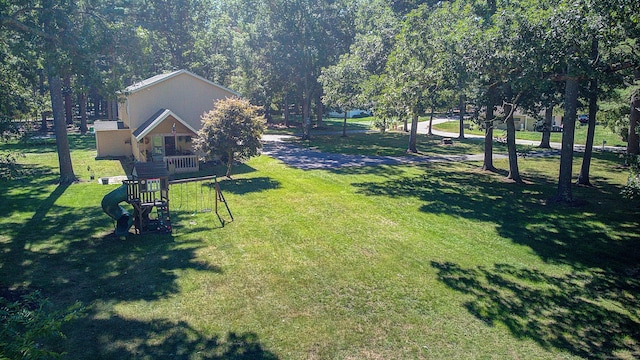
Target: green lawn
x,y
438,261
328,125
602,133
393,143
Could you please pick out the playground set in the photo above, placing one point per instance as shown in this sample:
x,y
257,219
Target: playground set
x,y
147,191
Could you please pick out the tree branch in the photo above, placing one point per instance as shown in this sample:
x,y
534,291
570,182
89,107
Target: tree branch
x,y
13,24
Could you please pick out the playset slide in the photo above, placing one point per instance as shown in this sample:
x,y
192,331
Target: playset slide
x,y
111,206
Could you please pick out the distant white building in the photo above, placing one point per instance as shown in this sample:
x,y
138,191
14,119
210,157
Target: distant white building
x,y
350,114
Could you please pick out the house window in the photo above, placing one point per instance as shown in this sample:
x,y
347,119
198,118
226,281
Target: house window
x,y
158,147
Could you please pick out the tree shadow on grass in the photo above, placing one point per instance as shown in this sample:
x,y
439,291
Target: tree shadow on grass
x,y
389,144
23,193
163,339
248,185
381,170
591,314
593,310
69,254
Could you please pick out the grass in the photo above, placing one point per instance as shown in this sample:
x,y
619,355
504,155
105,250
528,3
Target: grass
x,y
328,125
393,143
602,133
431,261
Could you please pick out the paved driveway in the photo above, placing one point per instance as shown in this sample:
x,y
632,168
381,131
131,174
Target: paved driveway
x,y
278,147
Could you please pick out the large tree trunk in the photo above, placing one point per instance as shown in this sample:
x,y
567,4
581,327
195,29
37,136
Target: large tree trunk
x,y
488,135
62,141
564,193
514,172
583,178
462,111
545,143
57,102
430,131
414,133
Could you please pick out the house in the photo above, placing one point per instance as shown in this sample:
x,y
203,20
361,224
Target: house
x,y
524,122
158,118
350,114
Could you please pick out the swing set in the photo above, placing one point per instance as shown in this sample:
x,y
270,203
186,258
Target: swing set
x,y
148,192
200,190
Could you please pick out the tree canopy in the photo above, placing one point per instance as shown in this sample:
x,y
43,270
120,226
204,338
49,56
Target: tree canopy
x,y
231,132
397,58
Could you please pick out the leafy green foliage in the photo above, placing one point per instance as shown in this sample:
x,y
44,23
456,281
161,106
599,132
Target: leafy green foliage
x,y
9,168
28,325
231,132
632,188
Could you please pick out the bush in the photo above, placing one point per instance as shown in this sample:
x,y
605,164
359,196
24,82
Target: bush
x,y
231,132
632,189
380,124
9,168
28,324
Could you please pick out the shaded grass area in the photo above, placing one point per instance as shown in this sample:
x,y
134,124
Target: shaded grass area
x,y
393,143
39,155
430,261
328,125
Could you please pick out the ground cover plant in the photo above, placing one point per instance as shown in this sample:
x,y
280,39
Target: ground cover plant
x,y
424,261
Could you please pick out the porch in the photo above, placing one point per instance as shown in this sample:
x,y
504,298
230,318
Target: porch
x,y
178,164
165,137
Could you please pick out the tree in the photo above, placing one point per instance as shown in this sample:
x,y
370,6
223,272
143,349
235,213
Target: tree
x,y
298,38
579,31
173,27
376,27
52,28
408,82
342,86
633,142
231,132
417,66
583,177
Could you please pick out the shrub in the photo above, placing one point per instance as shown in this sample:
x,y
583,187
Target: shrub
x,y
231,132
28,324
632,189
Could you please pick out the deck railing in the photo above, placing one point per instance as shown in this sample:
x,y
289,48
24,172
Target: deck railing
x,y
181,163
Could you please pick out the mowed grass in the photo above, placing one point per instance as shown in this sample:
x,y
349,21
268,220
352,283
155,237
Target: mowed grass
x,y
602,133
328,125
392,143
429,261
